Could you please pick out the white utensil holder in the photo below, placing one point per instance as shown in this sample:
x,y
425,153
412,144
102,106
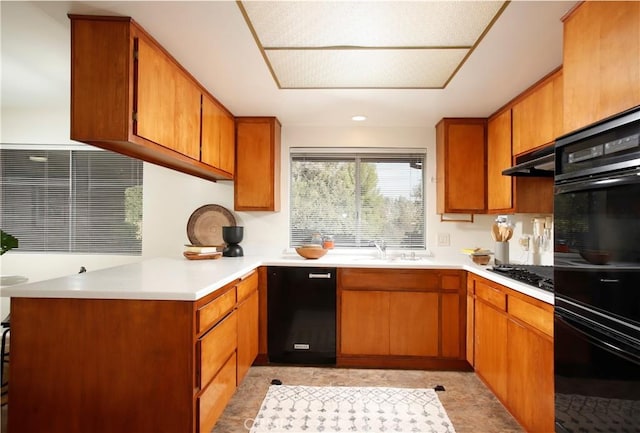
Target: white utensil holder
x,y
501,253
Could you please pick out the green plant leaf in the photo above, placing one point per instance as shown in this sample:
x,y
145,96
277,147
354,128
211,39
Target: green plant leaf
x,y
7,242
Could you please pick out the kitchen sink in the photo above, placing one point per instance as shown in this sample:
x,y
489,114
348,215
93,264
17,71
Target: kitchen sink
x,y
376,259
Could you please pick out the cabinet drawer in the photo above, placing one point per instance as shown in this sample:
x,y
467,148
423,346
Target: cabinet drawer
x,y
386,279
247,285
213,400
535,316
216,346
491,295
215,310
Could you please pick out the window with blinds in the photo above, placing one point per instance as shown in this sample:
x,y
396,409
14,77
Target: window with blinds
x,y
72,201
358,198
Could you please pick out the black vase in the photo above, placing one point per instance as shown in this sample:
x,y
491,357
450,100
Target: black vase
x,y
232,235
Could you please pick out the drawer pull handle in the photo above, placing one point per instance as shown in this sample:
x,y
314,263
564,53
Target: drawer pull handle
x,y
300,346
327,275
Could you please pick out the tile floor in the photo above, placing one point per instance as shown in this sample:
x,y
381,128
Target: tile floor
x,y
469,404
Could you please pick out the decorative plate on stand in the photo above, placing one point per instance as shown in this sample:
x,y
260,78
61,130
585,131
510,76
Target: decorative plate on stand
x,y
205,224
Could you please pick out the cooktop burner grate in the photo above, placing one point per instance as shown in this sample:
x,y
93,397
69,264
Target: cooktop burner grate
x,y
536,276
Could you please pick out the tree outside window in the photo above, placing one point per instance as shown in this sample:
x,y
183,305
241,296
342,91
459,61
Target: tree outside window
x,y
358,198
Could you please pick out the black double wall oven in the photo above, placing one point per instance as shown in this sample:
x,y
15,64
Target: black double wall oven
x,y
597,277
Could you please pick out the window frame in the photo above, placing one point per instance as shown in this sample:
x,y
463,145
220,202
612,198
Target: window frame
x,y
75,247
363,153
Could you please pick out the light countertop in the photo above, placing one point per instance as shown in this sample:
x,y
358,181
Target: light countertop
x,y
190,280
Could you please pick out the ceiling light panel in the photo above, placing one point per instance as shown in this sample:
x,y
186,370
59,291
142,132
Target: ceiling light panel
x,y
377,68
367,44
370,24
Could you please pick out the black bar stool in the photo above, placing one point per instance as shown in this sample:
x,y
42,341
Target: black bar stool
x,y
6,328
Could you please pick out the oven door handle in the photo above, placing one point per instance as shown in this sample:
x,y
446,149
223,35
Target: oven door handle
x,y
625,178
599,338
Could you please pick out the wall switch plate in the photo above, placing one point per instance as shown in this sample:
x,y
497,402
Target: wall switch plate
x,y
444,240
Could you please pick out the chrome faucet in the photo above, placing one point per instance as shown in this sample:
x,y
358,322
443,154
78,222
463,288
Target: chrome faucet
x,y
382,248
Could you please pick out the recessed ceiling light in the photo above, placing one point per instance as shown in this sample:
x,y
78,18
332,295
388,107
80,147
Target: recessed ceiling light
x,y
359,118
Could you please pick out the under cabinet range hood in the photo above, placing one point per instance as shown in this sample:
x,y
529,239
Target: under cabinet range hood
x,y
538,163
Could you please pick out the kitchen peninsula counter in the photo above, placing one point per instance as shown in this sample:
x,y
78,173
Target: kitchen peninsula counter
x,y
179,279
147,339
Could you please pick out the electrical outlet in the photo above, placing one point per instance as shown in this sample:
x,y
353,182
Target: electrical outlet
x,y
444,240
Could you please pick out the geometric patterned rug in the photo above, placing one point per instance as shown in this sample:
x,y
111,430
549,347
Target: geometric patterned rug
x,y
351,409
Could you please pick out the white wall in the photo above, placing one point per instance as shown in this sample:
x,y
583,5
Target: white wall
x,y
461,234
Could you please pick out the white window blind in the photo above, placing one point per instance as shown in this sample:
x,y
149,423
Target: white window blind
x,y
72,201
358,198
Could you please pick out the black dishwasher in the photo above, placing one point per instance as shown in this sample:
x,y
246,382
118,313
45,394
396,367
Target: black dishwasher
x,y
301,304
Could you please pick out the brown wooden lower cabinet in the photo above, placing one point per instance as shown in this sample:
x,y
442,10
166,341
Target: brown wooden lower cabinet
x,y
247,334
364,323
513,350
413,323
530,385
409,318
103,366
491,348
215,397
471,312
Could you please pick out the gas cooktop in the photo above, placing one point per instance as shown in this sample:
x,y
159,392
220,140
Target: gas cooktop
x,y
534,275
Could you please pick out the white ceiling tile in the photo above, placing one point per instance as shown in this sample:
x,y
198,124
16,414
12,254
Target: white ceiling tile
x,y
364,68
425,26
370,23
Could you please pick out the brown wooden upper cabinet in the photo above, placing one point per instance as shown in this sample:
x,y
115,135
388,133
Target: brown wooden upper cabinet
x,y
168,102
601,61
257,177
506,194
537,117
218,135
461,165
499,187
130,96
531,120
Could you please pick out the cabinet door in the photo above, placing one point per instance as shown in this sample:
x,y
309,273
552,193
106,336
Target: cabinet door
x,y
558,95
471,330
187,116
461,166
216,346
156,96
168,103
533,119
211,126
491,348
227,143
451,326
215,397
257,177
218,136
499,187
601,61
364,323
247,334
413,323
530,370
